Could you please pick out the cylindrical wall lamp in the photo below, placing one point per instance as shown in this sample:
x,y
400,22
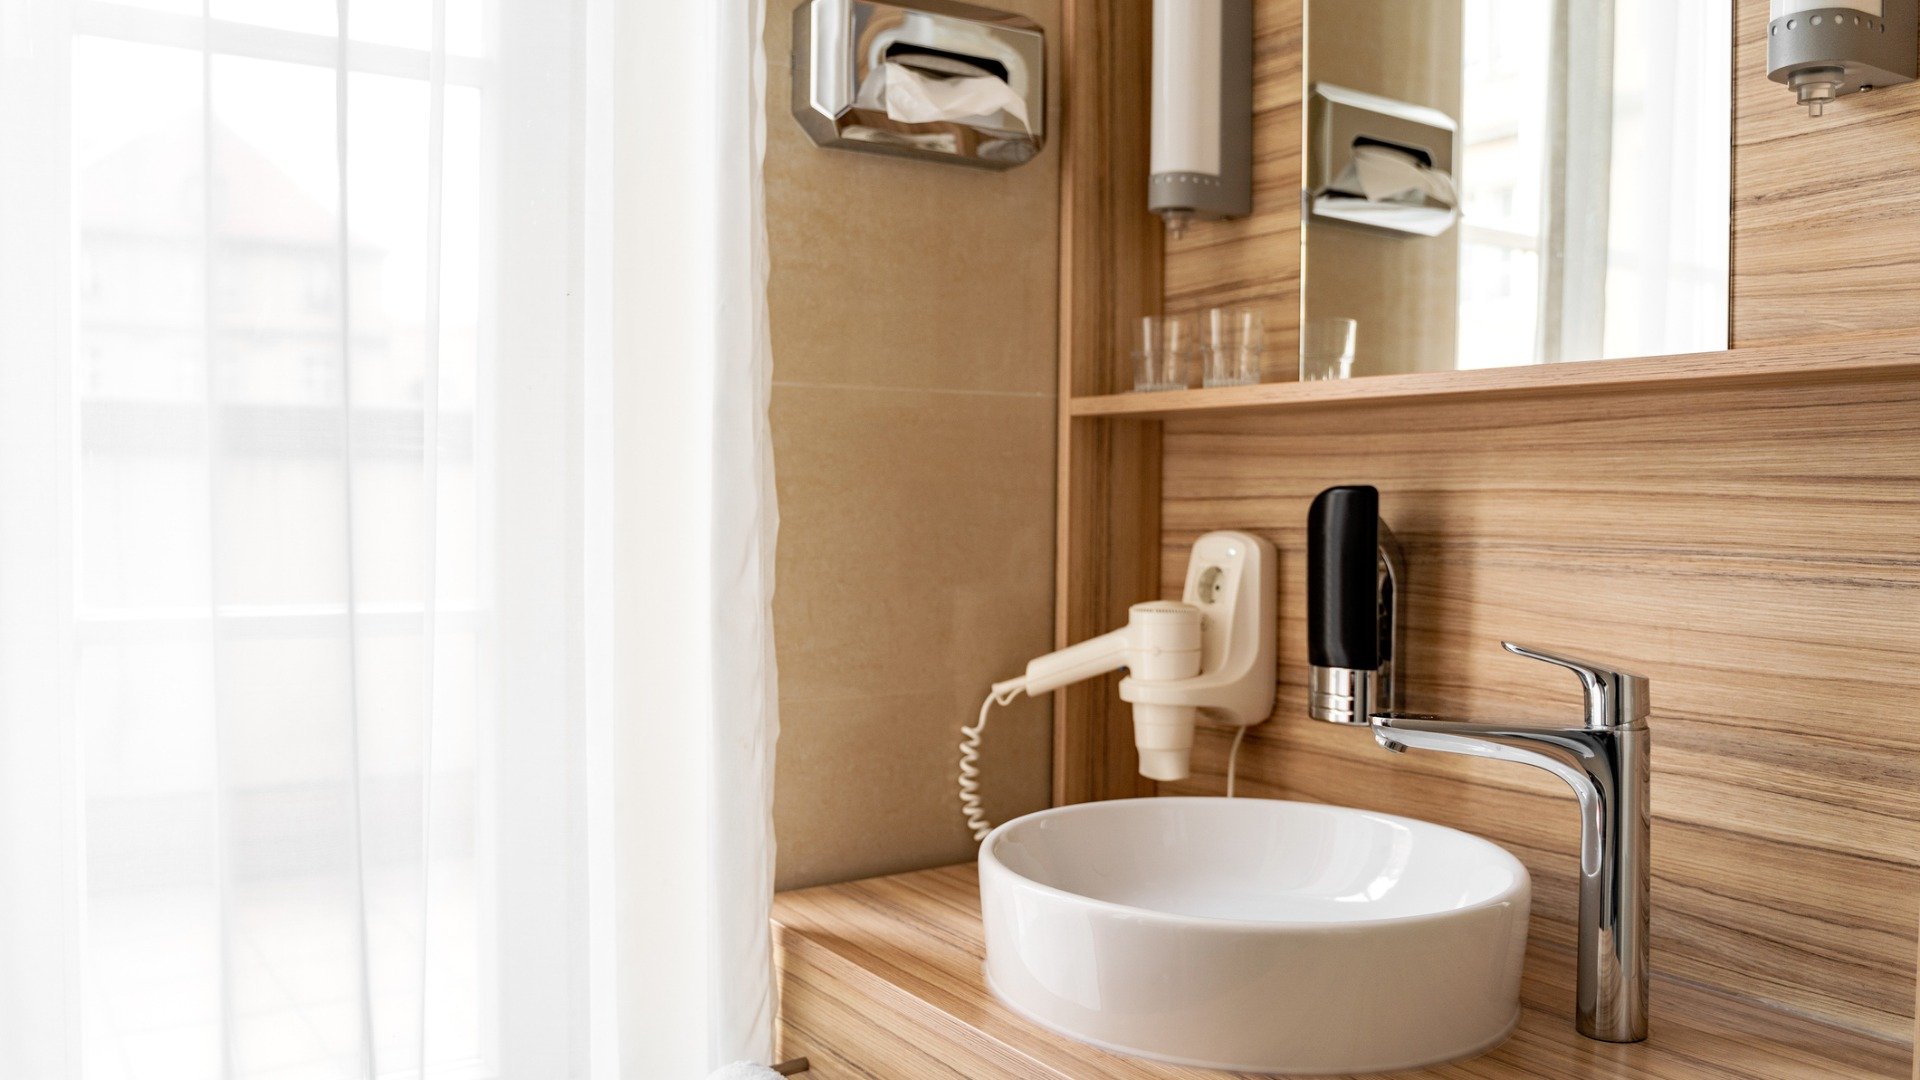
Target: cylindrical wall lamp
x,y
1202,159
1824,49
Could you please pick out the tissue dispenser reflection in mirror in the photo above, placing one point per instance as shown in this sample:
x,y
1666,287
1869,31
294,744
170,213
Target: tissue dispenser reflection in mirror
x,y
936,80
1378,162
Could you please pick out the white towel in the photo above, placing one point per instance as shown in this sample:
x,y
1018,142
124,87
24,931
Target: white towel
x,y
745,1070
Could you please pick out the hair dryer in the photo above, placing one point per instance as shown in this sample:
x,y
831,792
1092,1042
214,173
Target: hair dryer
x,y
1211,652
1160,643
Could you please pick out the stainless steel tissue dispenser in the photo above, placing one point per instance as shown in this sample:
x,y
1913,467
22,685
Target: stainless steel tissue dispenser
x,y
1378,162
936,80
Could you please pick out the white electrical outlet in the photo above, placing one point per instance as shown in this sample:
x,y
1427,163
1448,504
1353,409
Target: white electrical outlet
x,y
1233,578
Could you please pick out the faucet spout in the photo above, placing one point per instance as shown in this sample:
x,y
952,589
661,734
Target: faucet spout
x,y
1607,769
1569,755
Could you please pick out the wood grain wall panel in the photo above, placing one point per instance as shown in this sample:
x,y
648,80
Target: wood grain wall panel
x,y
1109,499
1753,551
1823,241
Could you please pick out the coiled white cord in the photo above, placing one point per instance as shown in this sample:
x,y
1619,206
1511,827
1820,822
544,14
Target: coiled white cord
x,y
970,757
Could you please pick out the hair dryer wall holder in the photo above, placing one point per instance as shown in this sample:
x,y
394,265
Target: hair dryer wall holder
x,y
1211,653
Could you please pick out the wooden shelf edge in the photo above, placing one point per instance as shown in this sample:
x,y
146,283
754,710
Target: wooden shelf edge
x,y
1815,361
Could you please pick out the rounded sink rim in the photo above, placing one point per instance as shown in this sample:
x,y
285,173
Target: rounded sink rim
x,y
1521,884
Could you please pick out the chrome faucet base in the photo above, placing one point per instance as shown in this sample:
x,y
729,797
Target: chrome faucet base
x,y
1607,770
1346,695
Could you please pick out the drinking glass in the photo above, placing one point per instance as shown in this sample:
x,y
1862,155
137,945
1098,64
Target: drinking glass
x,y
1326,348
1235,338
1162,352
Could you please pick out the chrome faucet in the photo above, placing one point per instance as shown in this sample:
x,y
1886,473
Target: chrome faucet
x,y
1604,760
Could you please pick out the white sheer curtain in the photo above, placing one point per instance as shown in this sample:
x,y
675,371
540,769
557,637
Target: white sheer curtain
x,y
692,473
385,534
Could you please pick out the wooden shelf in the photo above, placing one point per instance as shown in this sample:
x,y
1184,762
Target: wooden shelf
x,y
882,978
1848,358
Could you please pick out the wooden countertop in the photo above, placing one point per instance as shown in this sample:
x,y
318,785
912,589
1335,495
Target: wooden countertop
x,y
882,979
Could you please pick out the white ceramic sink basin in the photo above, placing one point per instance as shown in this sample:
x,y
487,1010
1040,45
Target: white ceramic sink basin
x,y
1256,935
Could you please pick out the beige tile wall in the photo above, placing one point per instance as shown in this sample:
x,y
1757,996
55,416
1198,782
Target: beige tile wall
x,y
913,309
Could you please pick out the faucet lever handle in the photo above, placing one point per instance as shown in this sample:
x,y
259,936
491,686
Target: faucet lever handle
x,y
1614,698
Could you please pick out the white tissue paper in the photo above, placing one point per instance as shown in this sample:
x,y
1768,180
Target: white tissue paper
x,y
971,96
1384,174
1394,190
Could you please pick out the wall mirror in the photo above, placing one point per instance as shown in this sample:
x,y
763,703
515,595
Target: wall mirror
x,y
1502,182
